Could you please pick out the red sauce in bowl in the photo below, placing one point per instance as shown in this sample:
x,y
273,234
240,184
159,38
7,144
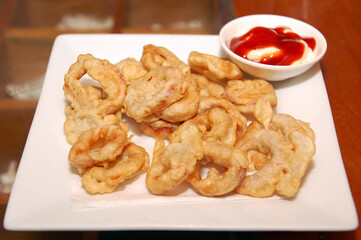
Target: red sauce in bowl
x,y
289,43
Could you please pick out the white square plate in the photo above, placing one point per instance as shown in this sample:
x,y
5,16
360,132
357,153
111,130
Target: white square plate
x,y
41,196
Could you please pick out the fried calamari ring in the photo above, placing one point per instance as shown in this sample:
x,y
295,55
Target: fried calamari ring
x,y
304,150
154,56
172,164
75,124
287,124
302,137
213,67
159,129
266,180
183,109
132,161
130,69
207,103
232,159
217,124
97,147
256,159
152,93
83,100
207,87
245,93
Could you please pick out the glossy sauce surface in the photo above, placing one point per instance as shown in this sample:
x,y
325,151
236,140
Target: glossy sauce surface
x,y
289,44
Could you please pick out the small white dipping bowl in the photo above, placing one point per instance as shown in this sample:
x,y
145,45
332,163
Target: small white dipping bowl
x,y
242,25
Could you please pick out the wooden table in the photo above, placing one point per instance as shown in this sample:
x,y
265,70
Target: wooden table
x,y
29,26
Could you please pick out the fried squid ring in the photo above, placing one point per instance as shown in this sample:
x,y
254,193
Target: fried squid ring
x,y
152,93
304,150
172,164
213,67
132,161
284,176
154,56
75,124
217,124
232,159
302,138
207,103
185,108
130,69
207,87
83,100
256,159
266,180
287,124
245,93
159,129
97,147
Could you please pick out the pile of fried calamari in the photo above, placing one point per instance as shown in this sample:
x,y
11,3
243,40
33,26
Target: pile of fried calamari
x,y
215,121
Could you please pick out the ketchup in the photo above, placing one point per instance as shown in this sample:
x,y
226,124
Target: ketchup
x,y
291,49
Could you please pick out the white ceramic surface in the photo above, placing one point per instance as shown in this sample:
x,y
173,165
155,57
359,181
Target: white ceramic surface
x,y
41,197
242,25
